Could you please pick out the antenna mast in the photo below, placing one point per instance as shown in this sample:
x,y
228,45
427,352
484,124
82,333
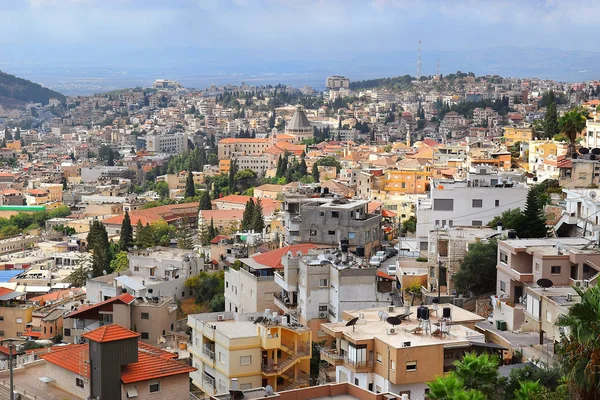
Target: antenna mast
x,y
437,68
419,61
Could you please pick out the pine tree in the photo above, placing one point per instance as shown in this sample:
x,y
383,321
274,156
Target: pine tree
x,y
205,203
258,220
204,235
533,223
232,172
8,135
248,215
212,231
279,164
302,168
551,127
111,158
315,172
190,190
99,245
143,235
18,134
126,238
185,236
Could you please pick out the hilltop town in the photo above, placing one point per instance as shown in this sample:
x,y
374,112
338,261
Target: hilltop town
x,y
358,240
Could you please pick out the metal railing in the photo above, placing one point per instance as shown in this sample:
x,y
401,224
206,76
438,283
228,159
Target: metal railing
x,y
208,352
208,380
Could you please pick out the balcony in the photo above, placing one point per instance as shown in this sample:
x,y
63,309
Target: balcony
x,y
208,354
256,277
332,357
358,366
287,306
208,384
284,282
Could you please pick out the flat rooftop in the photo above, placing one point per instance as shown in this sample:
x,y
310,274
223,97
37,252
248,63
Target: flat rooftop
x,y
28,379
370,326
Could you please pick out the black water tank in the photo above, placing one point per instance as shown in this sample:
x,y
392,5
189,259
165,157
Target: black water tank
x,y
124,290
344,247
592,157
326,190
512,234
425,313
360,251
574,155
419,312
446,312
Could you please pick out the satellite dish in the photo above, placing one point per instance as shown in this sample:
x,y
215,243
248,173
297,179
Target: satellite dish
x,y
595,151
380,314
104,272
352,322
258,320
393,320
384,315
584,150
544,283
592,195
269,390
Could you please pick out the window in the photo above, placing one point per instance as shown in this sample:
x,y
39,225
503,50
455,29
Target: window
x,y
379,358
497,203
321,214
136,269
443,204
79,382
154,387
537,267
548,316
1,318
131,391
411,365
503,286
477,203
335,214
555,270
448,356
356,382
145,315
322,307
245,360
221,358
351,235
476,223
67,332
503,257
145,335
323,282
393,366
19,320
331,232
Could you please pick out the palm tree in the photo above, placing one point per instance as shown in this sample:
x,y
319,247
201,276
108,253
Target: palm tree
x,y
579,347
478,372
445,388
528,390
571,124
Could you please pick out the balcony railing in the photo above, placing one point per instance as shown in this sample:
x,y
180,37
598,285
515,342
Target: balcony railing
x,y
208,352
332,356
208,380
286,302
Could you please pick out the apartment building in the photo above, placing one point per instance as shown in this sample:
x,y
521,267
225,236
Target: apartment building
x,y
337,82
379,357
318,287
593,132
522,262
326,220
475,201
232,147
513,135
152,317
252,288
407,181
177,181
581,214
579,172
170,144
15,313
256,349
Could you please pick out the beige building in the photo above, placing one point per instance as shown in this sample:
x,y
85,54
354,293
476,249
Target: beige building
x,y
177,181
380,357
247,347
15,314
522,262
231,147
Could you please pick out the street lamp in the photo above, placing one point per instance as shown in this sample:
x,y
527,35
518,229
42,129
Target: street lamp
x,y
10,364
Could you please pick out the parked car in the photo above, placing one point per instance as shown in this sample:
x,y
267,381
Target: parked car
x,y
382,255
391,252
391,269
375,261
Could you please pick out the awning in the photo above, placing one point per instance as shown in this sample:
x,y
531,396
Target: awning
x,y
131,391
130,282
10,296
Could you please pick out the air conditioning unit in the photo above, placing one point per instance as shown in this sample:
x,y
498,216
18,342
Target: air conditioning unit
x,y
569,297
322,315
391,331
586,283
221,317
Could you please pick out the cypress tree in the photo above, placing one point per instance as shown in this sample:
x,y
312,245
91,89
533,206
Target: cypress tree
x,y
231,180
205,203
212,232
302,169
551,127
126,238
315,172
258,220
7,135
190,190
248,215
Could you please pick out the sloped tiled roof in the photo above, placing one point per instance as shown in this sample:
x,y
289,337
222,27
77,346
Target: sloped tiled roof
x,y
299,120
124,298
110,333
273,258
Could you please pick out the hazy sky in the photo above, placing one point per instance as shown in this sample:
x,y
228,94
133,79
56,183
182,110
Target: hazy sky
x,y
289,26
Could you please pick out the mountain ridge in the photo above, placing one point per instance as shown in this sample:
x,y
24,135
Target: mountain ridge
x,y
23,90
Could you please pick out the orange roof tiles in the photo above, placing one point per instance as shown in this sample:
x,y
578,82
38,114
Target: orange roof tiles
x,y
241,140
273,258
150,215
124,298
58,295
150,366
110,333
72,357
218,238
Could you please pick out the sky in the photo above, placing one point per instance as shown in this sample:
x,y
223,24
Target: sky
x,y
292,25
134,33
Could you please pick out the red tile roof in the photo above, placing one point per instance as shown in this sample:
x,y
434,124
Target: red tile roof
x,y
382,274
150,215
125,298
218,238
4,291
153,363
58,295
273,258
110,333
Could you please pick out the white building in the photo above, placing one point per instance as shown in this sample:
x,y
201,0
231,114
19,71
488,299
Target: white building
x,y
593,133
170,144
474,202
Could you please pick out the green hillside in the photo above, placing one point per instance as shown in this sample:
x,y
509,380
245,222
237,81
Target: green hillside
x,y
26,91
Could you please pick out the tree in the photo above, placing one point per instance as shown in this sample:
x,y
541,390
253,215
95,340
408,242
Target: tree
x,y
258,220
190,190
143,236
551,127
478,372
205,203
18,134
63,180
209,289
120,263
162,189
315,172
445,388
533,222
245,179
571,124
204,235
8,135
98,245
212,231
410,224
248,215
511,219
528,390
185,236
232,172
302,168
579,346
478,269
126,238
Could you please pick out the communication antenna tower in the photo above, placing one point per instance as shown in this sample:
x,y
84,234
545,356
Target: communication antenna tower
x,y
419,61
437,68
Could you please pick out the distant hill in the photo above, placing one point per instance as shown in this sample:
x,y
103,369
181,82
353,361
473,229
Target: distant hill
x,y
25,91
399,82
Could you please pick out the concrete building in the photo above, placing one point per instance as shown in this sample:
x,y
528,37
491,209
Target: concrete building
x,y
256,349
299,126
252,288
380,357
581,214
326,220
169,144
320,286
337,82
593,132
472,202
15,313
522,262
580,172
513,135
232,147
153,317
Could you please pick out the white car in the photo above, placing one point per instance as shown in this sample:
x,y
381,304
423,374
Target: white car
x,y
375,261
381,254
391,269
